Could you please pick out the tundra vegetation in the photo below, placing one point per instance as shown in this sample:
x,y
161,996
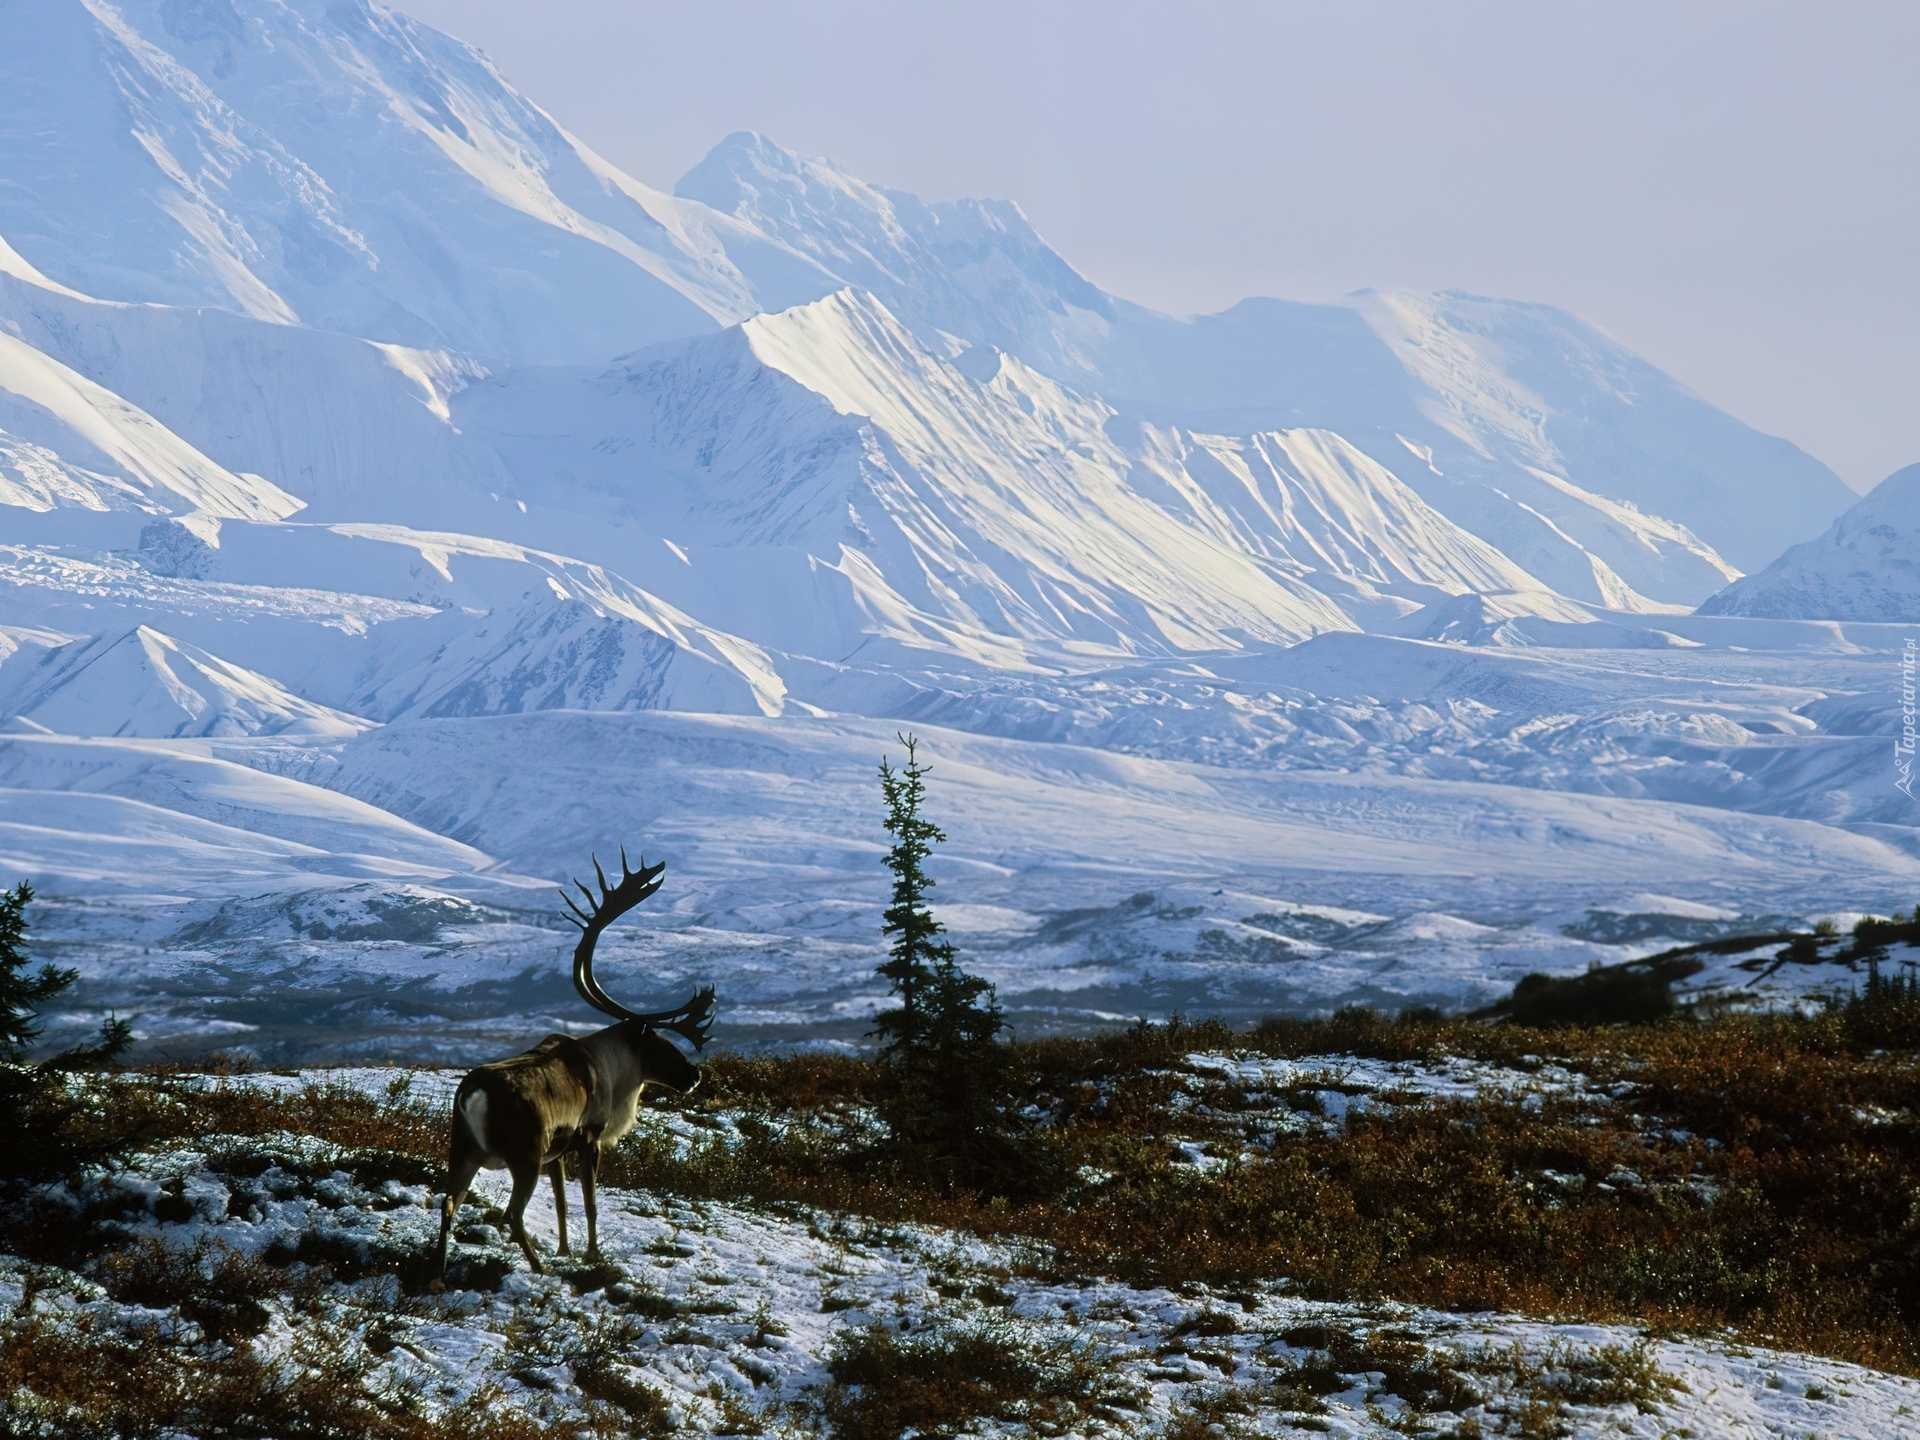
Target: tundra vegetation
x,y
1751,1177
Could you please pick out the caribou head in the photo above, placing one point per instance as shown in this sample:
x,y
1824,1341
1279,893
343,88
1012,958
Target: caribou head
x,y
571,1096
691,1021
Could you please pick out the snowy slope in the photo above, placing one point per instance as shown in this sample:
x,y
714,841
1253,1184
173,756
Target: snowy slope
x,y
1720,722
141,682
965,275
54,421
335,417
1086,884
984,518
252,155
549,653
1494,396
1865,567
509,615
328,418
904,499
1013,807
1542,394
1308,498
432,623
144,795
174,152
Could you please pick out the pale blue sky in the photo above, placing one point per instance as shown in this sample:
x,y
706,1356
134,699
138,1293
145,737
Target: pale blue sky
x,y
1733,189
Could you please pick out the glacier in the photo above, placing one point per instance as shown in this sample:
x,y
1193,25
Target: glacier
x,y
398,502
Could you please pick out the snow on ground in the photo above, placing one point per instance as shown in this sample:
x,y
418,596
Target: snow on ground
x,y
1089,886
1774,977
723,1311
398,887
1453,1077
146,822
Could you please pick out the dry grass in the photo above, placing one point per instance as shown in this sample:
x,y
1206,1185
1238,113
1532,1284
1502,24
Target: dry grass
x,y
1779,1161
75,1382
943,1377
1777,1193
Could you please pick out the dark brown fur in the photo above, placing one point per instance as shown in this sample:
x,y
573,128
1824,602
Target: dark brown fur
x,y
566,1096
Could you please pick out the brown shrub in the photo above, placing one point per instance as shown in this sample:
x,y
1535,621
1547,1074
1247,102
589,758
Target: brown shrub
x,y
1778,1167
338,1114
942,1378
1772,1199
213,1285
76,1382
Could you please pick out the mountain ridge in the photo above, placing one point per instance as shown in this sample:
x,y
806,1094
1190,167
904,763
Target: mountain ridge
x,y
1865,567
1427,367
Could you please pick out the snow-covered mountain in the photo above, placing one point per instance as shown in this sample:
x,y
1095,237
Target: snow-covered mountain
x,y
364,434
1865,567
66,440
375,621
150,684
1528,427
981,517
337,165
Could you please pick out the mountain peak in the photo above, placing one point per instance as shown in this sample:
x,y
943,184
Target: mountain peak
x,y
970,268
1865,567
207,176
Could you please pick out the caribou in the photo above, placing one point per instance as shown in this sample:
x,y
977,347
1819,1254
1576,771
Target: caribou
x,y
570,1096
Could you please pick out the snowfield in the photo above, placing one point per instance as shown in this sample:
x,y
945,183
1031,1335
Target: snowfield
x,y
1090,886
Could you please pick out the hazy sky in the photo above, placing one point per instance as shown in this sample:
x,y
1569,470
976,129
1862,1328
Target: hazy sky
x,y
1733,189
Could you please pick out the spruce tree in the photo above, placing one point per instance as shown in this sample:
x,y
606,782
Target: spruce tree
x,y
943,1065
51,1128
916,948
22,993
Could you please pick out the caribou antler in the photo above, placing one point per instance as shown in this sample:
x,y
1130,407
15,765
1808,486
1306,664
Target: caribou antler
x,y
692,1020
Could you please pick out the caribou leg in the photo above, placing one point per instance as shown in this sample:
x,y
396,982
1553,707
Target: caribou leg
x,y
525,1178
460,1175
589,1172
557,1172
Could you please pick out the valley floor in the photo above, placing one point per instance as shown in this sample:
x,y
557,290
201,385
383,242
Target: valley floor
x,y
1167,841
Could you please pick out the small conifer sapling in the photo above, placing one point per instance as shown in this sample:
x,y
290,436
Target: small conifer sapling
x,y
38,1114
939,1047
24,993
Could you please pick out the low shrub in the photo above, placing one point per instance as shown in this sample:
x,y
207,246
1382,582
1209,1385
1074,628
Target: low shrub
x,y
1773,1159
1756,1173
942,1378
72,1380
221,1290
